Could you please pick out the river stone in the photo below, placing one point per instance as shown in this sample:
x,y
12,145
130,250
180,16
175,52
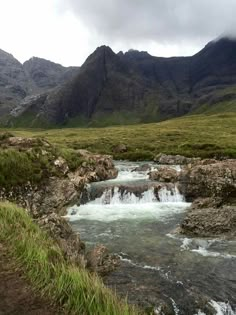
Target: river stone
x,y
164,174
142,168
211,180
100,261
208,222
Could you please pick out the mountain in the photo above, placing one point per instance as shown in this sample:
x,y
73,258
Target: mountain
x,y
18,82
13,82
136,87
46,74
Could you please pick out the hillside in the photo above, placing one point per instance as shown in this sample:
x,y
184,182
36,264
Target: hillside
x,y
136,87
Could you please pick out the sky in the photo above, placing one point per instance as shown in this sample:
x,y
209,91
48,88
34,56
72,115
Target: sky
x,y
67,31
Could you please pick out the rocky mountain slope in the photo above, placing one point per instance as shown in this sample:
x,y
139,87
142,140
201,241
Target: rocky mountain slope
x,y
133,87
35,76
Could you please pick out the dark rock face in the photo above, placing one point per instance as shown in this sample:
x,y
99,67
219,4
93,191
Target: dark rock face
x,y
145,87
14,83
18,82
45,74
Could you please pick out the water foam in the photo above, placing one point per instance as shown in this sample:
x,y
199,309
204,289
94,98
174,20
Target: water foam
x,y
222,308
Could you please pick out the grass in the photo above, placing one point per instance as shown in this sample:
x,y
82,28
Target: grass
x,y
196,135
77,291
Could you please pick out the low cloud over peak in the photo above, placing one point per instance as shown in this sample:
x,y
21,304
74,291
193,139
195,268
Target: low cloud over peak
x,y
162,21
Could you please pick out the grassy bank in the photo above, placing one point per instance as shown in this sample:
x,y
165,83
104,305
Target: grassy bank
x,y
74,289
197,135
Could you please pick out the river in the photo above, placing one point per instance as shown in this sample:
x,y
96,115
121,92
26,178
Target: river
x,y
190,276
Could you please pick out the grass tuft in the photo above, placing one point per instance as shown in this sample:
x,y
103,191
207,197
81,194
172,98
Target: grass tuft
x,y
77,291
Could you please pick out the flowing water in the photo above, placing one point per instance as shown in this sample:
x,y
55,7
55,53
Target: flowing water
x,y
136,221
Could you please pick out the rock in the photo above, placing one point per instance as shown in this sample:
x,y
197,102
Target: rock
x,y
55,196
217,180
164,174
26,142
120,148
174,159
207,222
60,230
142,168
97,167
61,165
201,203
100,261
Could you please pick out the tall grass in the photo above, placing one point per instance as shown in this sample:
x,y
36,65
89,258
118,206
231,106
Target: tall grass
x,y
77,291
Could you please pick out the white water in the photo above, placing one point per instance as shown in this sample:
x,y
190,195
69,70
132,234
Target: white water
x,y
113,205
107,215
222,308
126,173
202,247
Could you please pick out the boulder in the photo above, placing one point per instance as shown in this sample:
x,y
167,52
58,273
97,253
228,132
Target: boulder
x,y
100,261
164,174
142,168
216,180
174,159
120,148
97,167
210,222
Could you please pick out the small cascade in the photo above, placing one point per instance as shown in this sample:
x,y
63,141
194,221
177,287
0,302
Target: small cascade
x,y
135,215
170,195
115,196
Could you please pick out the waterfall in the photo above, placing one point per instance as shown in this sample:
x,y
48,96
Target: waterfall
x,y
114,196
167,195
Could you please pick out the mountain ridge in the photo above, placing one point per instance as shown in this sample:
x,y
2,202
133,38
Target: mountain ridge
x,y
135,87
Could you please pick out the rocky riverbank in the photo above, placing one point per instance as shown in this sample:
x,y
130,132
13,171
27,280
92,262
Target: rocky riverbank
x,y
211,185
59,183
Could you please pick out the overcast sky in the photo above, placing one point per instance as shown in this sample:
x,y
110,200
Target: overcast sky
x,y
67,31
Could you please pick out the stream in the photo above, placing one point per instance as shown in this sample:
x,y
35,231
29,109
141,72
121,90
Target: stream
x,y
170,272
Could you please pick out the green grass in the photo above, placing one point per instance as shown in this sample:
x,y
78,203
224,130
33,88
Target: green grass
x,y
77,291
196,135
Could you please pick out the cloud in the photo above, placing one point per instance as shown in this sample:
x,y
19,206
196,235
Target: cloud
x,y
162,21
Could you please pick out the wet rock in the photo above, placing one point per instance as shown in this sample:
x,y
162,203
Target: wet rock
x,y
216,180
142,168
164,174
207,222
174,159
100,261
120,148
60,230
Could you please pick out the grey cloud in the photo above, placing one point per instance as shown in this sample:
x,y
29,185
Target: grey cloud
x,y
163,21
